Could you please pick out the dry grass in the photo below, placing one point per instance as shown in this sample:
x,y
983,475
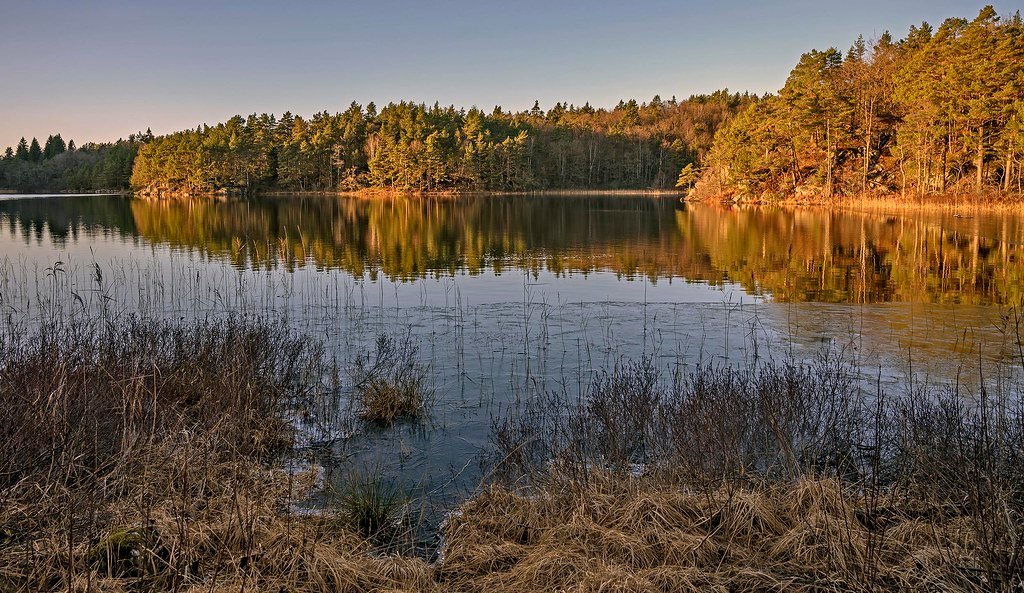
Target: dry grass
x,y
620,534
943,463
144,457
391,383
147,457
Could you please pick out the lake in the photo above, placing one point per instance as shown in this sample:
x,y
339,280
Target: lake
x,y
506,296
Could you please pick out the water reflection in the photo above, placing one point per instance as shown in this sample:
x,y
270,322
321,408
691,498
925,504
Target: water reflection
x,y
510,295
802,255
820,255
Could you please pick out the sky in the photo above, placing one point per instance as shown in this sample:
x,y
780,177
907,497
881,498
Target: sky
x,y
98,70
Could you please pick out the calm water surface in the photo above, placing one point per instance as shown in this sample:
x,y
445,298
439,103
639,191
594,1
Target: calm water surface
x,y
508,295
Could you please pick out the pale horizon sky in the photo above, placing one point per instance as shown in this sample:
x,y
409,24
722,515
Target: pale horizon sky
x,y
99,70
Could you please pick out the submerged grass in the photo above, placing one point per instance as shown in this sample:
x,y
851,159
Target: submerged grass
x,y
391,383
372,506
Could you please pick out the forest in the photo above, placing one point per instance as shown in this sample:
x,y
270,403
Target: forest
x,y
405,146
940,111
61,166
413,147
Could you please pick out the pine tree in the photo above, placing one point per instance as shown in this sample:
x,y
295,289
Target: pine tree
x,y
22,151
816,109
54,146
688,176
979,84
35,153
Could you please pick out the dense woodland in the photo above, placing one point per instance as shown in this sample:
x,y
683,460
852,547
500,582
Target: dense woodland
x,y
61,166
409,146
939,111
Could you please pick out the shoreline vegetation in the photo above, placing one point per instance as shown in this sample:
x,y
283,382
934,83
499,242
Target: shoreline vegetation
x,y
433,194
960,204
165,456
991,201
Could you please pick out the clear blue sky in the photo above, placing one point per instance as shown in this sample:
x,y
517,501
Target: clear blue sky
x,y
98,69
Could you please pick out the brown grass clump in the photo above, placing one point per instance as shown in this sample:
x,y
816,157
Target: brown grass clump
x,y
391,384
619,534
383,401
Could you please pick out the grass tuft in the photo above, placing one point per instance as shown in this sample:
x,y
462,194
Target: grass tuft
x,y
372,506
391,383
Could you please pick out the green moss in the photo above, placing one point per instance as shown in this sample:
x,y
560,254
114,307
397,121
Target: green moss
x,y
127,552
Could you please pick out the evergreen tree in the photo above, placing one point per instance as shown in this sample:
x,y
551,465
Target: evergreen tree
x,y
935,112
688,176
35,153
22,151
54,146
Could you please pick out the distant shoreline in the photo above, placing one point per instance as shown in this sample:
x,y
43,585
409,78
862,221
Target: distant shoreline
x,y
993,202
66,192
988,202
393,193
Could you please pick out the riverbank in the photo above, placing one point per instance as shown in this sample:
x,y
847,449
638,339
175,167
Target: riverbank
x,y
395,193
953,202
160,456
65,192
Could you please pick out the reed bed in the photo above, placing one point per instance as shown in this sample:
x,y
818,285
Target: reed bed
x,y
148,456
142,455
774,476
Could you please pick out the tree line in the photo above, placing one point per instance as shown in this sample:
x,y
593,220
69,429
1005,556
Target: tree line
x,y
60,166
410,146
941,110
